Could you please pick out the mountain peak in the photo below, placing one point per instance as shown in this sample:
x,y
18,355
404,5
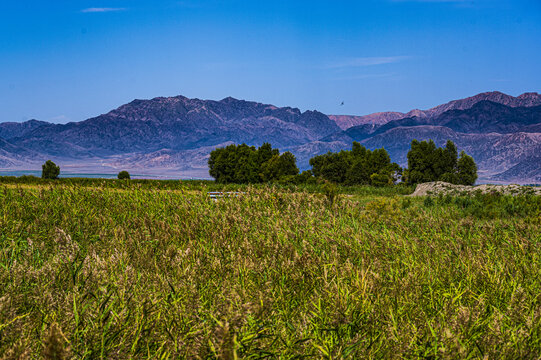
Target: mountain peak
x,y
490,93
530,99
229,100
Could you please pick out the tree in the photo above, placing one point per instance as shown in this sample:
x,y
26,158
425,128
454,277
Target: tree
x,y
279,166
467,169
356,167
234,164
336,167
265,152
358,173
450,155
421,160
247,165
124,175
49,170
426,163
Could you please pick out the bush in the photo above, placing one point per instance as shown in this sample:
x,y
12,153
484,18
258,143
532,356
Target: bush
x,y
381,179
429,202
384,207
406,203
124,175
50,170
496,205
331,192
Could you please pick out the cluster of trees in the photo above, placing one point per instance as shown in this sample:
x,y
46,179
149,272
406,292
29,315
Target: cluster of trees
x,y
426,163
248,165
358,166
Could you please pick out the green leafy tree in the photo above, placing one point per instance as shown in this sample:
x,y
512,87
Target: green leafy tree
x,y
466,169
265,152
246,170
427,163
50,170
279,166
450,157
358,173
355,167
124,175
248,165
421,159
317,163
336,167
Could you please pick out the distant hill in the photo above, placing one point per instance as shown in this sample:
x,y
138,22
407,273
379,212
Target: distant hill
x,y
501,132
347,121
178,123
526,169
9,130
483,117
525,100
16,156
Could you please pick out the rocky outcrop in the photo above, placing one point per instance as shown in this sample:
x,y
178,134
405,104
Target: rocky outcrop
x,y
439,187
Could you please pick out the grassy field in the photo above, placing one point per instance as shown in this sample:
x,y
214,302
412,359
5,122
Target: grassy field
x,y
116,270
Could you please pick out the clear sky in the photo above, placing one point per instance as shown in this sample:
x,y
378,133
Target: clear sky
x,y
68,60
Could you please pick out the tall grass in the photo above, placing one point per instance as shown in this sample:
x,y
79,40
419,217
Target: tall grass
x,y
102,272
195,185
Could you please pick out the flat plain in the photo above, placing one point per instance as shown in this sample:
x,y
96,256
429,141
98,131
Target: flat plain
x,y
150,269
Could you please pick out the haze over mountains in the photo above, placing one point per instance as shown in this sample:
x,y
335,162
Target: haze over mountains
x,y
174,136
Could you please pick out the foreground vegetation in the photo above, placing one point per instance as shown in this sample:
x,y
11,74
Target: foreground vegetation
x,y
120,269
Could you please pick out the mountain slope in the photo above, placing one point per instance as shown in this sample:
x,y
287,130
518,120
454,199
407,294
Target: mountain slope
x,y
9,130
501,132
380,118
483,117
178,123
526,169
525,100
16,156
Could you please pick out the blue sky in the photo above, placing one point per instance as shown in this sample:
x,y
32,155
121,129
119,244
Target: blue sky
x,y
68,60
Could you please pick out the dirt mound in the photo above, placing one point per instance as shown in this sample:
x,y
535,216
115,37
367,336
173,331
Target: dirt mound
x,y
440,187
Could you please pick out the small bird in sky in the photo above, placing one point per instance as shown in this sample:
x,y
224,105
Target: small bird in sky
x,y
342,103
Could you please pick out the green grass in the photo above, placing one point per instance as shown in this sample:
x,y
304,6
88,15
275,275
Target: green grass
x,y
101,270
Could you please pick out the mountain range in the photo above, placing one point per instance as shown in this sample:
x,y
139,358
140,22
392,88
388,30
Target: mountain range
x,y
174,135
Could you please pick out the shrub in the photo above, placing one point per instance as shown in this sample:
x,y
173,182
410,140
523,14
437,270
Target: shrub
x,y
331,192
380,179
406,203
429,202
384,207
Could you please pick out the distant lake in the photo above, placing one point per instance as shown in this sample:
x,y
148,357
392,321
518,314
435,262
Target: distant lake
x,y
71,175
163,176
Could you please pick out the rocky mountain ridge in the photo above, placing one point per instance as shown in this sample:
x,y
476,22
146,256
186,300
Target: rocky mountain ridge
x,y
502,133
528,99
